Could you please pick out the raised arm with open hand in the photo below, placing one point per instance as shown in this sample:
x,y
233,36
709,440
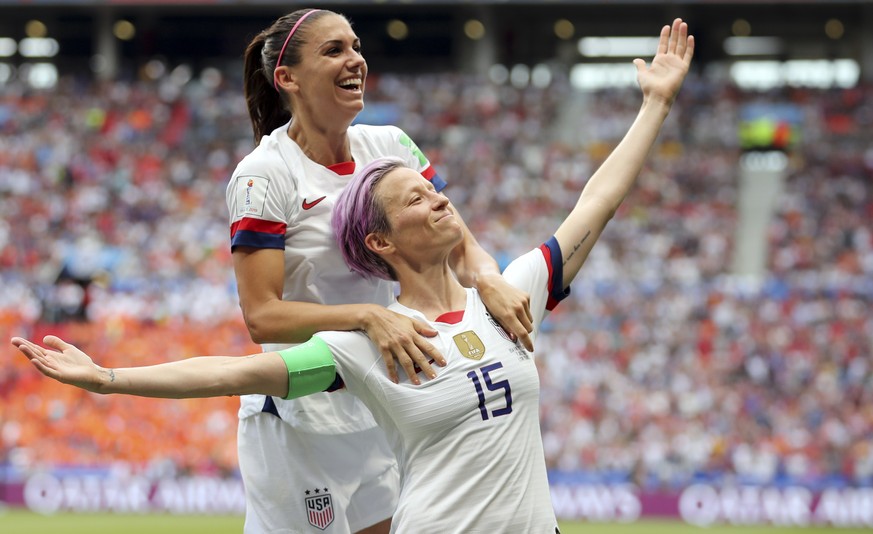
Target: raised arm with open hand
x,y
663,78
605,191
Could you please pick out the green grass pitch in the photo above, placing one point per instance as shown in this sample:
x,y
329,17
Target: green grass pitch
x,y
19,522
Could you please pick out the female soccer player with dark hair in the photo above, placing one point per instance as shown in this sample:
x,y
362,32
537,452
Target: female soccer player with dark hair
x,y
305,77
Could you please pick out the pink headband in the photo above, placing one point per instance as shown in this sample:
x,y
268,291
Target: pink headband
x,y
282,52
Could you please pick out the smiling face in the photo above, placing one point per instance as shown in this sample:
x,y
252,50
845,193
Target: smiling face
x,y
328,82
423,228
389,218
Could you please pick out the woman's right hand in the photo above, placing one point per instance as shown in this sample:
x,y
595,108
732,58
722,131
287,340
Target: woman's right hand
x,y
63,362
402,338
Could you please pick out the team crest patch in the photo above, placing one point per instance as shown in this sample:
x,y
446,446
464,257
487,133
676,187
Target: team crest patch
x,y
470,345
251,195
319,508
497,327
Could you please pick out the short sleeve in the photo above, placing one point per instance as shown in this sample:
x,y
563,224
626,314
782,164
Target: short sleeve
x,y
540,274
257,201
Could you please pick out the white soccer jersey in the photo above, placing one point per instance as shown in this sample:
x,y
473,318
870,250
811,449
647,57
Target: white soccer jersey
x,y
468,442
279,198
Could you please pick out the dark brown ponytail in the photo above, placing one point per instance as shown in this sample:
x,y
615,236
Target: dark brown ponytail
x,y
270,108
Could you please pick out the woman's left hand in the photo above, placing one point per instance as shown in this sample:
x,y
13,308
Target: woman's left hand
x,y
662,79
509,306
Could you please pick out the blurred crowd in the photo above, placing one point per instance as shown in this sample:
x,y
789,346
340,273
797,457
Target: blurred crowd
x,y
663,367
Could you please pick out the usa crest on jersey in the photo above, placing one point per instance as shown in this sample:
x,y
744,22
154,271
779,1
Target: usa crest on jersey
x,y
319,509
497,326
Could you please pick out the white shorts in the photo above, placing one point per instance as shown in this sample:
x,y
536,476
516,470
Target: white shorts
x,y
297,482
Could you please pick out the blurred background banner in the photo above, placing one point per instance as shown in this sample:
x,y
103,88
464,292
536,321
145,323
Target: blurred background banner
x,y
701,505
713,363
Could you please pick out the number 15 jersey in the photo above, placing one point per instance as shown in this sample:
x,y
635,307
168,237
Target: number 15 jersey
x,y
468,442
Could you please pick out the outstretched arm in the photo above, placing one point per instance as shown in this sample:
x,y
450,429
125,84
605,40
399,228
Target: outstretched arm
x,y
604,192
204,376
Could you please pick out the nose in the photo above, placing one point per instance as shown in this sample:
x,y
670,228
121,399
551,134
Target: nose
x,y
439,201
357,61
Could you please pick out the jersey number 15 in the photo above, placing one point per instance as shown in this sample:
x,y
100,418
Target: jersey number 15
x,y
492,386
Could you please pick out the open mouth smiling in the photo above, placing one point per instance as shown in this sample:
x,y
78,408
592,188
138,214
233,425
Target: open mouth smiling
x,y
351,84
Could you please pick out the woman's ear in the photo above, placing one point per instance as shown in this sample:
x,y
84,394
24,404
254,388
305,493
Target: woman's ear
x,y
286,79
378,244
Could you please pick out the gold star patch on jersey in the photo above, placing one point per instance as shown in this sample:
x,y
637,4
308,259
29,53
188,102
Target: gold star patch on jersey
x,y
470,345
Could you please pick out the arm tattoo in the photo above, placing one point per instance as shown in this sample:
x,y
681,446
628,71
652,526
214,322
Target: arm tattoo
x,y
578,245
112,375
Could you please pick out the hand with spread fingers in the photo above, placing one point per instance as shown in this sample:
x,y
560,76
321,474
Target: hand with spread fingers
x,y
662,79
403,340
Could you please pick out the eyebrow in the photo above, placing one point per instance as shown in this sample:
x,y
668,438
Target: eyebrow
x,y
356,40
418,188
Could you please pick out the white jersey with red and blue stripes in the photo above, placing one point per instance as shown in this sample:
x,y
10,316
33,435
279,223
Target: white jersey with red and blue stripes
x,y
468,442
278,198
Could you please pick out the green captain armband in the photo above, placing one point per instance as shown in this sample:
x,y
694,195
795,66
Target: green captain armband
x,y
311,368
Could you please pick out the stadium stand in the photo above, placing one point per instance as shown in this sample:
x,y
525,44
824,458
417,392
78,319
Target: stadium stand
x,y
662,368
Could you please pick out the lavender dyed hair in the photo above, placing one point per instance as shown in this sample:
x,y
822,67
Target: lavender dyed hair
x,y
358,213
